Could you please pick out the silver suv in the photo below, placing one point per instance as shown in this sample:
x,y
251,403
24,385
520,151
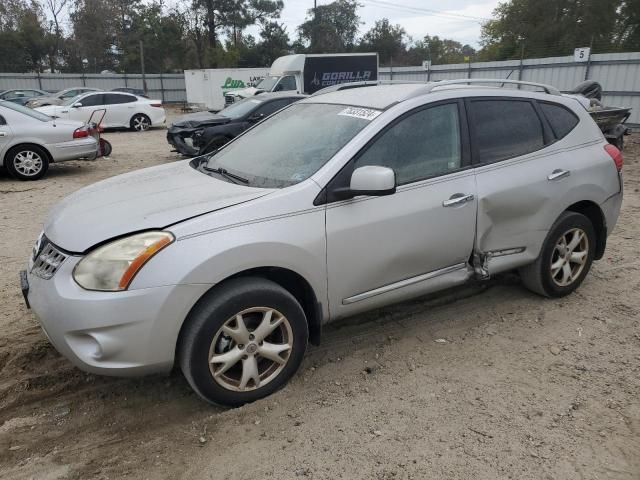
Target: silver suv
x,y
351,199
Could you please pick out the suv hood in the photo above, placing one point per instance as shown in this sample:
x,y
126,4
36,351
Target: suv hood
x,y
150,198
200,119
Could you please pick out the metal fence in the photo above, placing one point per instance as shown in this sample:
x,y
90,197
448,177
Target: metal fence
x,y
167,87
619,74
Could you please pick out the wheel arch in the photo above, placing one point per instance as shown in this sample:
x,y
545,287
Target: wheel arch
x,y
27,144
594,213
291,281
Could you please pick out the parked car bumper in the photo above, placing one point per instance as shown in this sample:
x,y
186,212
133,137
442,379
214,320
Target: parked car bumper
x,y
176,138
126,333
81,148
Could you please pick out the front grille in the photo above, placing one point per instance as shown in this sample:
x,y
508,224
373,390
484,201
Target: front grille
x,y
48,260
228,100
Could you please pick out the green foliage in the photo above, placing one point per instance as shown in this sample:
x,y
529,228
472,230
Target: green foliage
x,y
386,39
331,28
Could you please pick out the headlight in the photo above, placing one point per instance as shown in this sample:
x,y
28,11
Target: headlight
x,y
113,266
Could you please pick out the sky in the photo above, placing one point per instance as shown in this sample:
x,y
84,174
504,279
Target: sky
x,y
461,22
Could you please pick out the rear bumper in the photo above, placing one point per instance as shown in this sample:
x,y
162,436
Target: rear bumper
x,y
611,208
73,150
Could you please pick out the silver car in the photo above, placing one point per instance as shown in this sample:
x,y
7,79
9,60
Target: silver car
x,y
30,140
60,97
346,201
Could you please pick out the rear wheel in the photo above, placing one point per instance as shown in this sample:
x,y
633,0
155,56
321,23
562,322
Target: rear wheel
x,y
243,341
28,162
140,122
565,259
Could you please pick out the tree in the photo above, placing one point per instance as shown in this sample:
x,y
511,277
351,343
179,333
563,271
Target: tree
x,y
549,27
55,8
439,51
95,32
23,38
386,39
331,28
274,43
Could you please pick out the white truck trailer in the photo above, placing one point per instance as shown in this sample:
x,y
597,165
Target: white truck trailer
x,y
310,73
208,87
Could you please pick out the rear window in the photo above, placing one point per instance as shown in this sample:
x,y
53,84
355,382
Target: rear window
x,y
505,129
561,119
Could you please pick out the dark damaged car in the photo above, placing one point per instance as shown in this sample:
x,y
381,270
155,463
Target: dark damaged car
x,y
205,132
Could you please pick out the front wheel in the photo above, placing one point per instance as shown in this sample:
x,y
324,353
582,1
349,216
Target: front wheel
x,y
243,341
565,259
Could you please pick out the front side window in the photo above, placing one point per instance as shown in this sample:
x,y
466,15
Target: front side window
x,y
504,129
286,83
92,100
421,145
291,145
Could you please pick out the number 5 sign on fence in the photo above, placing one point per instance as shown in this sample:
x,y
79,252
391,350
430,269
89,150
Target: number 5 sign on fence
x,y
581,54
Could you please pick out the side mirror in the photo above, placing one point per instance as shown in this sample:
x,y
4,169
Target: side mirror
x,y
256,117
371,180
77,105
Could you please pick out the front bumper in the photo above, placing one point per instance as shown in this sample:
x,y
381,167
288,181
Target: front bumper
x,y
127,333
176,138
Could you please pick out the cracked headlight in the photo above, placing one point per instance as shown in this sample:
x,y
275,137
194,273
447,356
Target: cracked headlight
x,y
111,267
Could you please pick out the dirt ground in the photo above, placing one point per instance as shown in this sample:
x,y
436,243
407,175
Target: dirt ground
x,y
486,382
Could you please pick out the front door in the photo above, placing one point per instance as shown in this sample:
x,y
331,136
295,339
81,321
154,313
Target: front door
x,y
385,249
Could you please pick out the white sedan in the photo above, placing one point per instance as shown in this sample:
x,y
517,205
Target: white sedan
x,y
123,110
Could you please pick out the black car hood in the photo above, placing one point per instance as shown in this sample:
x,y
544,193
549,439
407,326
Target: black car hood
x,y
200,119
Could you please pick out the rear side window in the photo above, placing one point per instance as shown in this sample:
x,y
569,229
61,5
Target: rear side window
x,y
561,119
114,98
504,129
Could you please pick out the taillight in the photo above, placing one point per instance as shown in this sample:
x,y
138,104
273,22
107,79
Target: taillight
x,y
616,155
157,105
80,133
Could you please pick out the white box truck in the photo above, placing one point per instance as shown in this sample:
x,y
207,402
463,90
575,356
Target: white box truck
x,y
310,73
207,87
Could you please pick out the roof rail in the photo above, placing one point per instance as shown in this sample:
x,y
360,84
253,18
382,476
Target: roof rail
x,y
429,87
369,83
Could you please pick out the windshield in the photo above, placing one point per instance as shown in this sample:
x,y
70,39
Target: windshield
x,y
267,83
240,109
26,111
291,145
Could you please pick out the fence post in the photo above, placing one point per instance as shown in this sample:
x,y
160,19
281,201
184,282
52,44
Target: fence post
x,y
521,64
39,80
84,80
161,88
125,79
587,70
469,70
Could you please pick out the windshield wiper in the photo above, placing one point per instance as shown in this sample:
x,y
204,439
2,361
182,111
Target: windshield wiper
x,y
223,172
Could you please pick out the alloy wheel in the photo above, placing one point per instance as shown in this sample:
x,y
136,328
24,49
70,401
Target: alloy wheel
x,y
28,163
251,349
141,123
569,257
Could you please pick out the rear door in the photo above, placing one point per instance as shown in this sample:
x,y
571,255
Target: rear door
x,y
120,109
5,134
523,174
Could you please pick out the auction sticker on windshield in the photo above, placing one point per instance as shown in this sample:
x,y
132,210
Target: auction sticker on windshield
x,y
363,113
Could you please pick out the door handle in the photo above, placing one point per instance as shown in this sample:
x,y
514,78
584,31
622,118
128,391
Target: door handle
x,y
558,174
3,134
457,199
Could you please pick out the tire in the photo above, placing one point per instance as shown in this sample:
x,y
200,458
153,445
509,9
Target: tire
x,y
140,122
214,144
203,339
105,147
542,277
27,162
